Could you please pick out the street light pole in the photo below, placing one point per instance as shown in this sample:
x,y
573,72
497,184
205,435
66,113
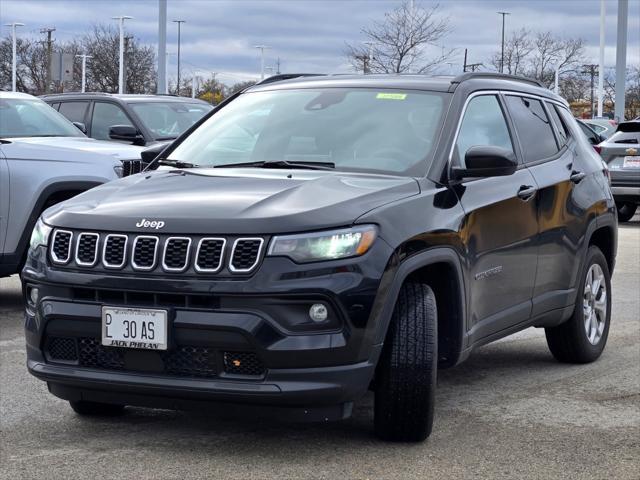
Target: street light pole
x,y
179,22
601,59
121,20
262,49
14,61
84,57
504,14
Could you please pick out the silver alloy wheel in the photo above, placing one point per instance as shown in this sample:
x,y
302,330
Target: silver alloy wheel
x,y
594,304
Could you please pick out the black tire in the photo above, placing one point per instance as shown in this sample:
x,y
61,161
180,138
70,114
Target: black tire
x,y
626,211
405,381
82,407
569,342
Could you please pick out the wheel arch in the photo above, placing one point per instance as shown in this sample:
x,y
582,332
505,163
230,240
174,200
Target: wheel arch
x,y
441,269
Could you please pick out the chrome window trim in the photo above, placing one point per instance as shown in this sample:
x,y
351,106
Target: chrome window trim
x,y
134,265
54,257
233,251
124,253
95,252
220,263
186,259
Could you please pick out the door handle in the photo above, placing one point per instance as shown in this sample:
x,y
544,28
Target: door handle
x,y
576,177
526,192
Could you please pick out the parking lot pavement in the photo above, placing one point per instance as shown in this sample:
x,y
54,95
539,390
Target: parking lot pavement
x,y
510,411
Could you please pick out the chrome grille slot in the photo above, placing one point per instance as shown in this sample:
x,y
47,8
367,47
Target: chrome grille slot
x,y
210,254
131,167
61,246
245,254
114,251
145,250
176,254
87,249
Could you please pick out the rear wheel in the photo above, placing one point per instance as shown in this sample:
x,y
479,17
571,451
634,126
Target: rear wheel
x,y
82,407
626,211
405,382
582,338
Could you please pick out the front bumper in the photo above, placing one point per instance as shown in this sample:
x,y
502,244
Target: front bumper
x,y
314,373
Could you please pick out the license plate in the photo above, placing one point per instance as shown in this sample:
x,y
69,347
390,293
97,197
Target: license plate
x,y
134,328
631,161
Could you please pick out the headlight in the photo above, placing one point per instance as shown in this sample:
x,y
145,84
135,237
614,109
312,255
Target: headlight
x,y
328,245
40,234
119,169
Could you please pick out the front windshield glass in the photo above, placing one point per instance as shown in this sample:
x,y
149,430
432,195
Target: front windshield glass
x,y
26,117
383,131
167,120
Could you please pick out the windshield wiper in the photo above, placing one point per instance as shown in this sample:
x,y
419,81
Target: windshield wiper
x,y
176,163
284,164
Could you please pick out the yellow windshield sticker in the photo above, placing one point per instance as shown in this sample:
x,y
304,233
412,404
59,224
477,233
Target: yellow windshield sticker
x,y
391,96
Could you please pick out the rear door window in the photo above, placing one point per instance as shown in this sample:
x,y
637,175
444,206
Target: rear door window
x,y
561,128
534,128
74,111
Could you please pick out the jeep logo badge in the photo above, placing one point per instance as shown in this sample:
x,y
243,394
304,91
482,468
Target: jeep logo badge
x,y
144,223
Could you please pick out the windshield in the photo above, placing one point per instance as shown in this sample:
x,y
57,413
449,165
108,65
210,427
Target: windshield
x,y
383,131
167,120
30,117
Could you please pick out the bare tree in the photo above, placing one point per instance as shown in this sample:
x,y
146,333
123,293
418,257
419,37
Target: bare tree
x,y
550,52
397,44
517,50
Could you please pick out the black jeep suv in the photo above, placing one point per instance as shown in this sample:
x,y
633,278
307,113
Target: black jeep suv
x,y
315,238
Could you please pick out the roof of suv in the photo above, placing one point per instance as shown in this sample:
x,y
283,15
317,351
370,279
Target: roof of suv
x,y
484,80
127,98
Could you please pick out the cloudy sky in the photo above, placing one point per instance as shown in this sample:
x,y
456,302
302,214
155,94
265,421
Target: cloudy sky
x,y
310,35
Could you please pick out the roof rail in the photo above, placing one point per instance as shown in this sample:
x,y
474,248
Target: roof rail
x,y
73,93
499,76
287,76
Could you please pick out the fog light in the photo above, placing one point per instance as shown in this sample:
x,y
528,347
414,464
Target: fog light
x,y
318,312
34,295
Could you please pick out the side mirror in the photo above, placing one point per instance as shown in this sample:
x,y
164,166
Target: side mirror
x,y
81,126
126,133
487,161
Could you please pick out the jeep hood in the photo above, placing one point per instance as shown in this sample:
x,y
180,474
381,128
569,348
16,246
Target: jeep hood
x,y
67,149
231,201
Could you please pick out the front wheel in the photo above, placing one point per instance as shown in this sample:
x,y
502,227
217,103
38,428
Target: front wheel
x,y
582,338
405,381
626,211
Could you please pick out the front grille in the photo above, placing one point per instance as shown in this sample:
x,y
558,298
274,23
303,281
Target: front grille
x,y
183,361
161,253
60,348
176,254
114,251
87,249
144,252
191,361
243,363
209,255
245,255
61,246
131,167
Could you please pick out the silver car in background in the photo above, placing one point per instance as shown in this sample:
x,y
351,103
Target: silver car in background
x,y
621,152
45,159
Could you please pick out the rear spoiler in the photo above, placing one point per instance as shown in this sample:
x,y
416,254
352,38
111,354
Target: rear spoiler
x,y
287,76
632,126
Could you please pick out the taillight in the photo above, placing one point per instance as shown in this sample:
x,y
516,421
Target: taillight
x,y
607,173
597,148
